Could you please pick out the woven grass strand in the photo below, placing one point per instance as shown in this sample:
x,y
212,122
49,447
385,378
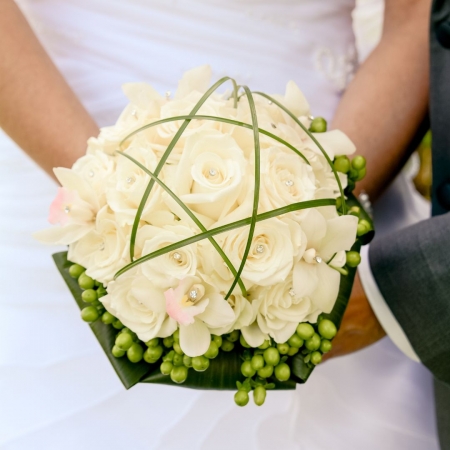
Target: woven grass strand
x,y
257,151
268,97
164,158
228,227
218,119
192,216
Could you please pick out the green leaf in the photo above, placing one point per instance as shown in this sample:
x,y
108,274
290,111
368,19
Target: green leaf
x,y
128,372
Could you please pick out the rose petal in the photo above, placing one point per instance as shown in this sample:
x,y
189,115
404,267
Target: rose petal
x,y
194,338
253,335
196,79
341,235
305,279
324,297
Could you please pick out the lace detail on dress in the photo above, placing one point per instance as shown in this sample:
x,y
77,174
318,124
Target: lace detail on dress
x,y
336,68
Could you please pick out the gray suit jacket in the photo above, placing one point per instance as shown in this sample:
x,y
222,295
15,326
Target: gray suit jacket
x,y
412,267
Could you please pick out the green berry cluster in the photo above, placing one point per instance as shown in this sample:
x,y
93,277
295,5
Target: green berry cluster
x,y
355,169
92,292
261,366
271,360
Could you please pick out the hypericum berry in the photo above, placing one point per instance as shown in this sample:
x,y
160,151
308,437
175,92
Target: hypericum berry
x,y
325,346
75,270
313,343
243,342
168,342
152,342
327,329
124,341
264,345
282,372
295,341
117,324
247,370
169,356
166,367
177,348
265,372
101,292
257,362
212,351
117,352
353,259
90,314
259,395
241,398
293,351
108,318
85,282
227,346
176,335
283,348
135,353
187,361
361,174
359,162
318,125
305,330
177,360
353,174
200,363
233,336
272,356
342,164
152,354
179,374
316,358
217,339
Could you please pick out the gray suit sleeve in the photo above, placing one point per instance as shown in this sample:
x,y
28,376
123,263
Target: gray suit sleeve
x,y
412,270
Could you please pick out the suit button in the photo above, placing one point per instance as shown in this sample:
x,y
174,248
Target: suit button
x,y
443,34
443,194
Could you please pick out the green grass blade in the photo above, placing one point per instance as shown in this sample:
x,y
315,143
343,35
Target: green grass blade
x,y
257,150
191,215
228,227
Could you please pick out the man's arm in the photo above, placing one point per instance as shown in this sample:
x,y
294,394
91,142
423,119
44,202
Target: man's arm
x,y
37,107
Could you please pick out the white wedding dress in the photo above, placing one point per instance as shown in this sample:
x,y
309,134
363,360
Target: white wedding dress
x,y
57,389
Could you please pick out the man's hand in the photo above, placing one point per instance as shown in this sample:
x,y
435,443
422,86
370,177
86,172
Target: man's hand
x,y
360,327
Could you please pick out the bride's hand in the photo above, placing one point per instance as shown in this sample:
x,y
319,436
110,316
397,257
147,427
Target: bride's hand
x,y
360,327
38,110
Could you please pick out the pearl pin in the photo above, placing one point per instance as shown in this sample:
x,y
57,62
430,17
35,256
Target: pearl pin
x,y
289,183
213,172
67,210
318,259
260,249
292,292
176,256
193,294
130,180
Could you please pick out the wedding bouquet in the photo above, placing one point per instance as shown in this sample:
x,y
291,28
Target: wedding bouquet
x,y
213,237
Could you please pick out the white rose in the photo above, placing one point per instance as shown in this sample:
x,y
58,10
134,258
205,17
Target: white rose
x,y
95,167
139,305
280,310
166,270
104,250
126,187
285,179
210,174
271,253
